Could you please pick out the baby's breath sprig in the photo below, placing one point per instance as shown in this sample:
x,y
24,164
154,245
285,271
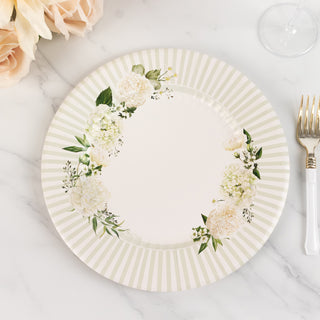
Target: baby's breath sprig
x,y
74,173
248,213
202,234
109,222
250,155
71,176
166,92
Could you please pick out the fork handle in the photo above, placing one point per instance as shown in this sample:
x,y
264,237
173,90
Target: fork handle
x,y
312,233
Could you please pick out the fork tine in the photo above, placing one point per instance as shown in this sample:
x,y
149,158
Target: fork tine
x,y
306,115
318,120
299,123
312,131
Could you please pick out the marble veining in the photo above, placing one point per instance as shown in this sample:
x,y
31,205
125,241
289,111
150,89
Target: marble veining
x,y
41,279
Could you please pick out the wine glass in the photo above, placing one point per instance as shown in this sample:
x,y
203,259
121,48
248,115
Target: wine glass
x,y
288,29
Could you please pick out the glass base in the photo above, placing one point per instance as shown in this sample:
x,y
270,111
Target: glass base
x,y
287,30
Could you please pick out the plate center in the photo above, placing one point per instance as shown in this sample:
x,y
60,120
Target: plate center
x,y
168,169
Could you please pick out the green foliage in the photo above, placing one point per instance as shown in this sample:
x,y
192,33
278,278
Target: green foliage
x,y
153,74
94,224
259,154
250,155
74,149
202,247
138,68
84,159
204,218
256,172
156,84
248,136
83,141
202,234
105,97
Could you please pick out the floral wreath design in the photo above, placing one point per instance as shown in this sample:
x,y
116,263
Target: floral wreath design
x,y
102,140
237,191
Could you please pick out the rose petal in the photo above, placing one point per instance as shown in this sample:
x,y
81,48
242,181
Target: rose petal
x,y
27,36
34,13
6,9
73,16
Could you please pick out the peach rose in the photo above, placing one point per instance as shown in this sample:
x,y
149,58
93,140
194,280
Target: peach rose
x,y
14,63
73,16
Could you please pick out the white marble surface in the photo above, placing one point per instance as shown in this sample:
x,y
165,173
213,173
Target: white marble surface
x,y
41,279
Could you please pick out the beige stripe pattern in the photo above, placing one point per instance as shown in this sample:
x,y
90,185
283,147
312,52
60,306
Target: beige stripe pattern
x,y
169,268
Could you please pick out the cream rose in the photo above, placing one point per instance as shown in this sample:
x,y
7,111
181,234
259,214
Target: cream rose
x,y
88,196
73,16
99,156
134,89
224,220
29,21
237,141
14,63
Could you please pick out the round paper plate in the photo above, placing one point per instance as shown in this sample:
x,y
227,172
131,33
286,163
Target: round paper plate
x,y
181,147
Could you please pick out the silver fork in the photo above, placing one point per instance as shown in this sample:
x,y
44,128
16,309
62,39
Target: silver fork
x,y
308,135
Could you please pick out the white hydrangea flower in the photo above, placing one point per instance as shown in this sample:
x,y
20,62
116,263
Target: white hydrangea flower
x,y
239,184
224,220
237,141
104,128
134,89
88,196
99,156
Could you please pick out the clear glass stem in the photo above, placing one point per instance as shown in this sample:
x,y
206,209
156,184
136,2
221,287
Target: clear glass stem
x,y
290,27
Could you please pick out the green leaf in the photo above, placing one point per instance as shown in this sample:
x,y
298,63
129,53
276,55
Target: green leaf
x,y
83,141
98,168
202,247
105,97
74,149
103,232
256,172
120,224
138,68
156,84
248,136
214,243
108,231
130,110
259,154
89,173
115,232
85,159
94,224
153,74
204,218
